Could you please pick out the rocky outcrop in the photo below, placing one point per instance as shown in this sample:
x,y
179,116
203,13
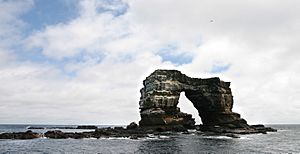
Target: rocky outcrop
x,y
131,131
132,125
211,97
20,135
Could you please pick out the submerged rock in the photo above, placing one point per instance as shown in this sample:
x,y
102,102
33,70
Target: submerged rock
x,y
35,127
232,135
86,127
61,127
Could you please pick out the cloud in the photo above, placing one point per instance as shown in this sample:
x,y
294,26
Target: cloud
x,y
10,25
97,24
93,65
253,37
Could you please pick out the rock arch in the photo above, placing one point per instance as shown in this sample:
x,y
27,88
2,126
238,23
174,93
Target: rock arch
x,y
211,97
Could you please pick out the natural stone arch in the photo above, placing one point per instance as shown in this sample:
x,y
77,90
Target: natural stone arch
x,y
211,97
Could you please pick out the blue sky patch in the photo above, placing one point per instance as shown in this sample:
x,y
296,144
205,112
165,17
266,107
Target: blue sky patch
x,y
35,55
50,12
219,68
169,53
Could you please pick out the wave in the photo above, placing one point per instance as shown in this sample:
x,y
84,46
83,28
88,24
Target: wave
x,y
217,137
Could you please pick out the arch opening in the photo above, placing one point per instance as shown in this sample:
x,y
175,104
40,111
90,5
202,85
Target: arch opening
x,y
187,106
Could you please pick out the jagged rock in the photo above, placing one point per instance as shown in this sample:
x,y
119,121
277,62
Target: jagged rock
x,y
119,132
57,134
132,125
20,135
134,137
262,129
211,97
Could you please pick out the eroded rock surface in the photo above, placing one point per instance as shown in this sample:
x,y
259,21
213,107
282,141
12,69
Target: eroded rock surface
x,y
20,135
211,97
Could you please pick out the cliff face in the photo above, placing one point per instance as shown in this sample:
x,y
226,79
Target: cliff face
x,y
211,97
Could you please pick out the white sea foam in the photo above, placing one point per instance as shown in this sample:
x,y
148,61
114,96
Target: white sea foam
x,y
90,138
192,130
218,137
244,138
282,130
163,137
111,138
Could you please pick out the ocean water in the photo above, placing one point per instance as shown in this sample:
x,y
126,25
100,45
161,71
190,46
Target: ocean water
x,y
286,140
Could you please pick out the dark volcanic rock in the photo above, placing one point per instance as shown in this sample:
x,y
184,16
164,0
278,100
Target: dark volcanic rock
x,y
33,127
57,134
117,132
98,133
87,127
61,127
211,97
262,129
20,135
132,125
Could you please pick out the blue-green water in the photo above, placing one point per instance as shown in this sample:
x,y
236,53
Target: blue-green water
x,y
286,140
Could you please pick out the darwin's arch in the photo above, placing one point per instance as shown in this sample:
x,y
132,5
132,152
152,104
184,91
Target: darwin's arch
x,y
211,97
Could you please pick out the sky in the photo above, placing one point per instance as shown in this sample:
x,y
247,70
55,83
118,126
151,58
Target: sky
x,y
83,61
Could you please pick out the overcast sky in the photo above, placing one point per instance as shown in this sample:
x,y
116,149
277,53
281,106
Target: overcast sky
x,y
83,62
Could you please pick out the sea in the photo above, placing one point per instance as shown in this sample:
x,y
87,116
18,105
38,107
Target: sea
x,y
286,140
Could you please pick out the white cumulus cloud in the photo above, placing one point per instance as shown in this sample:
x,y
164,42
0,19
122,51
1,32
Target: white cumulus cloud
x,y
119,43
